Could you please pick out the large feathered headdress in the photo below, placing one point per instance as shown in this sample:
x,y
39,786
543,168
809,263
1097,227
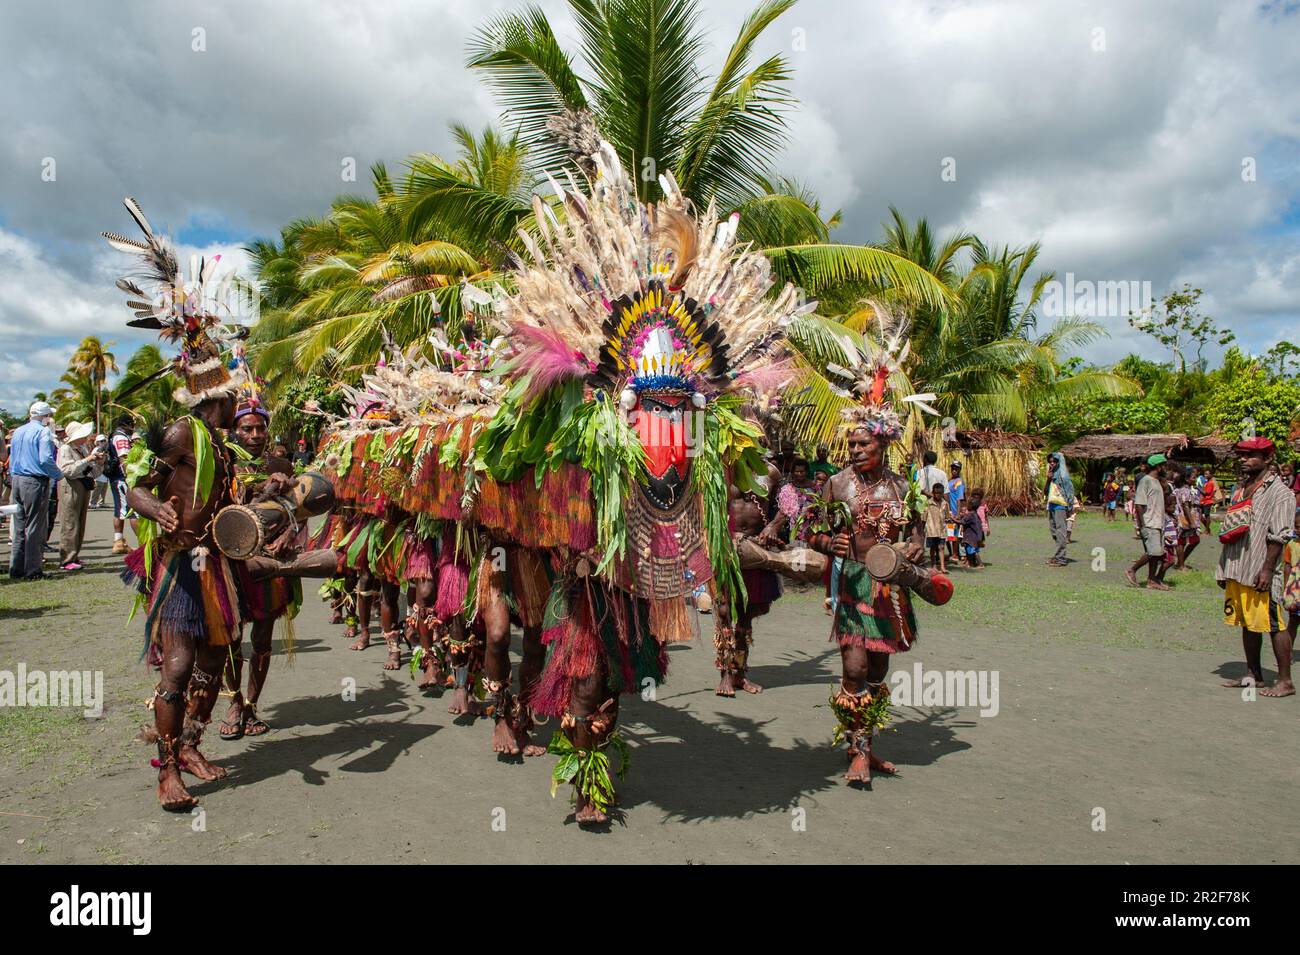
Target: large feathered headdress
x,y
407,388
189,313
866,380
630,296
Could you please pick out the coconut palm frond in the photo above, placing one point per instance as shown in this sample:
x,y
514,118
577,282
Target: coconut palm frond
x,y
816,267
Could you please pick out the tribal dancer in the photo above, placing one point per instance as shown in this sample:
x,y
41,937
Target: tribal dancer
x,y
260,476
873,618
179,480
516,575
405,536
748,519
629,324
366,538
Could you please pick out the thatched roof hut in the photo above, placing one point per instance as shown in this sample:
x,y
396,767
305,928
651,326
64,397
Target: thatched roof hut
x,y
1094,454
1139,447
1124,447
1004,464
1217,445
993,439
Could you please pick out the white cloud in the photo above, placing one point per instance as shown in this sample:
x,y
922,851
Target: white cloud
x,y
46,308
1125,162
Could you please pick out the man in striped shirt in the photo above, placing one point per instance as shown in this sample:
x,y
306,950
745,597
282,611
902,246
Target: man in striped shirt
x,y
1250,569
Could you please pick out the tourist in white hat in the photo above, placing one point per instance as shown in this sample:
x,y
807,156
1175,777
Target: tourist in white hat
x,y
80,466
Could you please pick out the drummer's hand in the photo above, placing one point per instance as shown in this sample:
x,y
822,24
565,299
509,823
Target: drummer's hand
x,y
278,483
167,517
768,542
914,552
840,545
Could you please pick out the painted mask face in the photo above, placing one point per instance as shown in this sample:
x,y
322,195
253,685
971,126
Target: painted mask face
x,y
660,424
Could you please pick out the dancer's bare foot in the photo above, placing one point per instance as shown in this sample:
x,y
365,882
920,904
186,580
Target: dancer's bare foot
x,y
196,764
524,737
882,765
859,768
459,701
172,794
585,814
363,639
749,686
1279,688
1241,683
1131,578
337,616
726,686
394,661
503,738
431,675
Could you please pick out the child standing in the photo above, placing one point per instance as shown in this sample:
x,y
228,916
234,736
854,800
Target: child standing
x,y
971,531
983,511
936,521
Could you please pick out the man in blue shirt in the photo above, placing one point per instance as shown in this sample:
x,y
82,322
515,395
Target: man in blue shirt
x,y
32,471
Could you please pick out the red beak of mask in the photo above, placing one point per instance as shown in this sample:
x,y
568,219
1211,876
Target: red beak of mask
x,y
660,424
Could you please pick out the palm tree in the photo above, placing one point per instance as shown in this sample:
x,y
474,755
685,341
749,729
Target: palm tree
x,y
144,390
979,351
718,135
398,262
93,360
644,89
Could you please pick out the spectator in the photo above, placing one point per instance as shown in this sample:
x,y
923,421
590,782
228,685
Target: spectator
x,y
822,464
4,470
32,469
1187,515
1287,471
119,446
1290,606
956,494
59,432
1110,495
936,523
972,531
1210,496
304,456
1059,491
930,474
1259,523
5,519
101,482
79,465
1149,503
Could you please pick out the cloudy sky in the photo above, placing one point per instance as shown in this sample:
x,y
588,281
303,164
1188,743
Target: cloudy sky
x,y
1139,141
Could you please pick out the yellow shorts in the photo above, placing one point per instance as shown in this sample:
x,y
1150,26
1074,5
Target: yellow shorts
x,y
1246,607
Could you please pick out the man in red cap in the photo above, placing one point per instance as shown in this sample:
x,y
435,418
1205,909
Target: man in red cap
x,y
1257,525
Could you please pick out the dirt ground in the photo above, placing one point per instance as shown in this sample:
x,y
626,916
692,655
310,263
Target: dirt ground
x,y
1109,712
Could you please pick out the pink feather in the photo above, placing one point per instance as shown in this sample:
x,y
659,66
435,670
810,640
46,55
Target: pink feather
x,y
546,359
766,379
